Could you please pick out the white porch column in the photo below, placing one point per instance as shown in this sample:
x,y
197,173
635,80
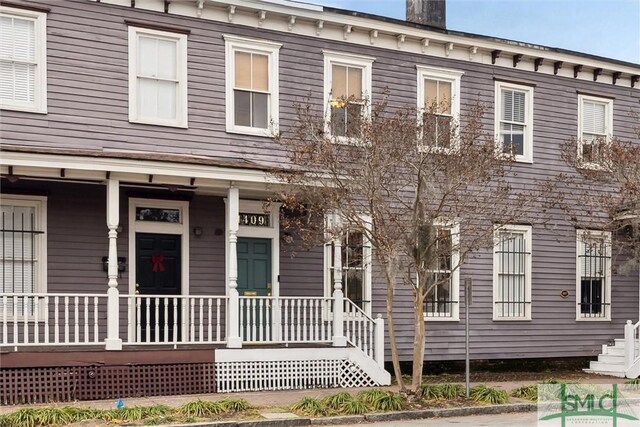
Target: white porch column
x,y
233,308
113,341
378,348
339,340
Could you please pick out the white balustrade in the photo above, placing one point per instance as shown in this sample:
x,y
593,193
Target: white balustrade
x,y
175,319
631,344
30,319
286,319
359,328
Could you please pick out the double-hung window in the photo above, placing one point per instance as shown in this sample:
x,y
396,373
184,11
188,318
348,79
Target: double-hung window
x,y
355,251
157,77
23,60
593,287
23,252
438,107
595,124
514,120
347,87
252,86
441,303
512,273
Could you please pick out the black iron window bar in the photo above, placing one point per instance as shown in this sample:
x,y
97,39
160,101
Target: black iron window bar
x,y
16,259
593,264
512,278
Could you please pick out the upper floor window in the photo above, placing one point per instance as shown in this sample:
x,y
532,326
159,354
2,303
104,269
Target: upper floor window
x,y
157,77
23,60
512,273
593,287
23,250
438,107
347,87
252,86
442,302
355,251
514,120
595,125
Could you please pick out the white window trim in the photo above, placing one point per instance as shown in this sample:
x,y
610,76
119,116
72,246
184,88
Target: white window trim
x,y
608,123
527,156
40,205
335,219
455,275
181,120
580,234
272,50
528,230
39,105
350,60
447,75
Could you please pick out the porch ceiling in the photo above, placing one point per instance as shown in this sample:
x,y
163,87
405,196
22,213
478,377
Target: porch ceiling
x,y
192,173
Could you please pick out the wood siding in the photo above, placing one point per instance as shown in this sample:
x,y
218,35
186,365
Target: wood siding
x,y
88,109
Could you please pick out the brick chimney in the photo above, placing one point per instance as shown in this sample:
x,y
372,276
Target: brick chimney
x,y
428,12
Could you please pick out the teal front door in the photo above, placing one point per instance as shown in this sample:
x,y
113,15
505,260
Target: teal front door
x,y
254,280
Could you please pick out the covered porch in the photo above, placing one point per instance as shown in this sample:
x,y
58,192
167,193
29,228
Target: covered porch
x,y
120,254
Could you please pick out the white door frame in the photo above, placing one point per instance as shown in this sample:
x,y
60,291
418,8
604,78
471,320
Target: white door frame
x,y
181,229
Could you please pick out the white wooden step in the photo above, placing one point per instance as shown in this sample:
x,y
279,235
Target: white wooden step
x,y
607,367
615,351
611,358
617,374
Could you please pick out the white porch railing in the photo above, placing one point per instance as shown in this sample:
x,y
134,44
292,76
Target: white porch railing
x,y
175,319
48,319
359,328
286,319
632,349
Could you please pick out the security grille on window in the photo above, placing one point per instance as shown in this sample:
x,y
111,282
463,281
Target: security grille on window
x,y
594,128
512,273
440,301
438,114
594,272
19,253
22,60
355,268
346,101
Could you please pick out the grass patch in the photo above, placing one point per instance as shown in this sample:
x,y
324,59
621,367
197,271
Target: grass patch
x,y
484,394
310,406
347,404
388,401
145,415
369,396
441,391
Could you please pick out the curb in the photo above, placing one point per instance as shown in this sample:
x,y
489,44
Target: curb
x,y
384,416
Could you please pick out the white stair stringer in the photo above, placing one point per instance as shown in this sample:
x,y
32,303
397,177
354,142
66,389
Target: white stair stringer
x,y
611,362
257,369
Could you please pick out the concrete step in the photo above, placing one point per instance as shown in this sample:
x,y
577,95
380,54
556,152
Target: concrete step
x,y
617,374
611,358
607,367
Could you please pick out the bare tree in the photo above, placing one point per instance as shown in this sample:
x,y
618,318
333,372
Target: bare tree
x,y
602,192
426,191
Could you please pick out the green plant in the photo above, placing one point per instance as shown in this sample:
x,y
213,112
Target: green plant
x,y
369,396
26,417
485,394
529,392
388,401
309,406
353,407
429,391
451,391
154,421
632,381
234,405
201,409
337,400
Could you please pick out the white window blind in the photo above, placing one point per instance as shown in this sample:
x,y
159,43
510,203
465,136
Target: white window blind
x,y
18,59
594,121
157,77
512,273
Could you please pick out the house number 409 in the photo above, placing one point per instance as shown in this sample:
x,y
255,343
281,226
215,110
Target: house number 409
x,y
256,220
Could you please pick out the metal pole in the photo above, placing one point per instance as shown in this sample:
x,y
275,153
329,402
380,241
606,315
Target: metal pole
x,y
467,303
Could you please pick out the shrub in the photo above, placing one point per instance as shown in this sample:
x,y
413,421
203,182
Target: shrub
x,y
234,405
353,407
482,393
388,401
369,396
309,406
337,400
200,409
529,392
441,391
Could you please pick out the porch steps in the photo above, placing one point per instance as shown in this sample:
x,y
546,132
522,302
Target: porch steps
x,y
610,361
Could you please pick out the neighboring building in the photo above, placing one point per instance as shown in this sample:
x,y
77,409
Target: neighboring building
x,y
135,133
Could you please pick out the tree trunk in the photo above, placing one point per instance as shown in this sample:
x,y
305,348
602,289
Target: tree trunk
x,y
390,273
418,339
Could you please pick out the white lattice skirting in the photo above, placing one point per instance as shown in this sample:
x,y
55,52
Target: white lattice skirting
x,y
287,369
